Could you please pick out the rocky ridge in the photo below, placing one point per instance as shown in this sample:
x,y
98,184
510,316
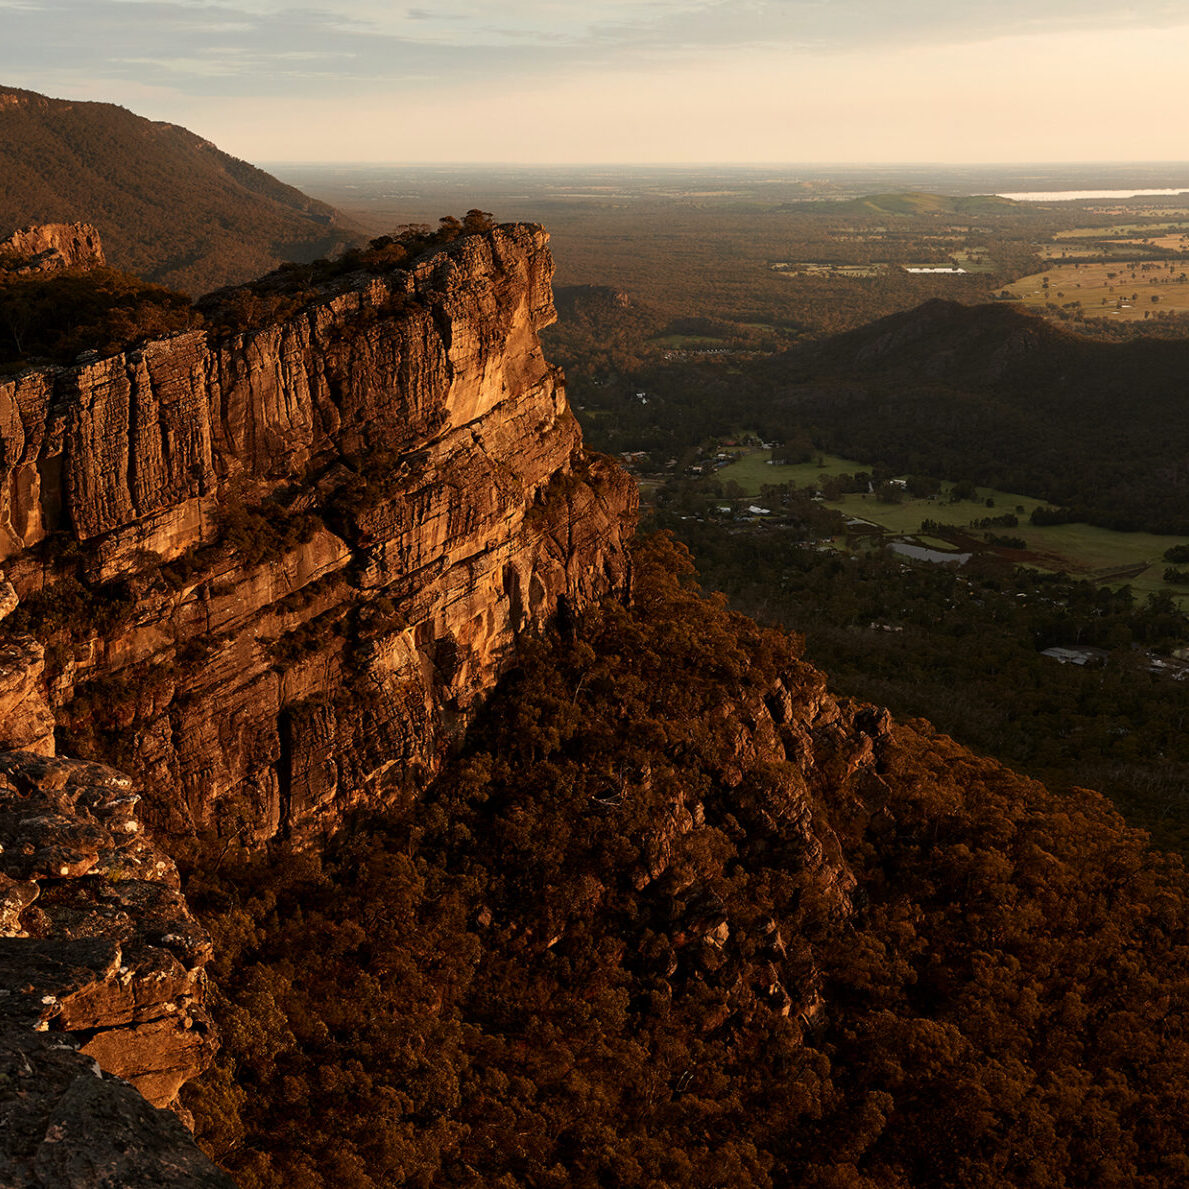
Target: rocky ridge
x,y
275,568
171,207
50,247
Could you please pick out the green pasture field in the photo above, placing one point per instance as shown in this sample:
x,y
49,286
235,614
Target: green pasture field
x,y
973,260
752,470
903,519
678,341
1136,288
1081,550
1120,229
832,270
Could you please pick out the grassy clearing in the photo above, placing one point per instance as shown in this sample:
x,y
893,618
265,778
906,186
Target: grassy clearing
x,y
900,519
973,260
753,470
1117,253
1081,550
1176,241
687,340
1126,290
1121,229
829,270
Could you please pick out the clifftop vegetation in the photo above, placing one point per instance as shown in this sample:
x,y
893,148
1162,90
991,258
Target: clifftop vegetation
x,y
55,317
284,290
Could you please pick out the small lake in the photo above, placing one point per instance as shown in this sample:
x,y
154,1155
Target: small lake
x,y
1070,195
920,553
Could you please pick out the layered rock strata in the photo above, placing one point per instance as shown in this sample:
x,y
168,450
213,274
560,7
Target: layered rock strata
x,y
269,572
274,569
96,941
102,992
26,720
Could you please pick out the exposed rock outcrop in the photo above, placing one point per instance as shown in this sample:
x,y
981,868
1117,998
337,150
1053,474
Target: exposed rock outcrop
x,y
50,247
64,1125
95,938
102,1014
26,720
270,573
274,570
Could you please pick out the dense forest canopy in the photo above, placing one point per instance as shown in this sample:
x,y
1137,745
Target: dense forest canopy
x,y
633,936
962,648
1010,401
56,317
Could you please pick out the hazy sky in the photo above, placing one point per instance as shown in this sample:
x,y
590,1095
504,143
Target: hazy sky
x,y
627,80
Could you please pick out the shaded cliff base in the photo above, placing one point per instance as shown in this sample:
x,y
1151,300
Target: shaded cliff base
x,y
66,1125
679,917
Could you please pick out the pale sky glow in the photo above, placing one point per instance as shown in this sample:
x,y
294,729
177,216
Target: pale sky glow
x,y
632,81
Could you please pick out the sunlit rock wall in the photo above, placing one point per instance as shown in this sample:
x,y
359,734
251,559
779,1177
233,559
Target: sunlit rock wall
x,y
273,571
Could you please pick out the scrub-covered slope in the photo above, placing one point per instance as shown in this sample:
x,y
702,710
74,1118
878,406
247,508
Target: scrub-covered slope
x,y
170,206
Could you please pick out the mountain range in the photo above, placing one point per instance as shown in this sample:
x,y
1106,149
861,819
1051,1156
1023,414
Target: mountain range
x,y
1007,399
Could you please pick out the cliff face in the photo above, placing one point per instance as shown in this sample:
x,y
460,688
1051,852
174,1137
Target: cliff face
x,y
102,987
269,574
274,570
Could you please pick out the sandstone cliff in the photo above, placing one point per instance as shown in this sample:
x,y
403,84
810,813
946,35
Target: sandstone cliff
x,y
274,569
269,573
49,247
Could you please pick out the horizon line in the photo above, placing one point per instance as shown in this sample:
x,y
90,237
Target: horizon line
x,y
1097,163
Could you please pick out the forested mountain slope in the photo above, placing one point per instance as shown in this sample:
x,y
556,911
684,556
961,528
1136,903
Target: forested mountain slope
x,y
677,917
169,205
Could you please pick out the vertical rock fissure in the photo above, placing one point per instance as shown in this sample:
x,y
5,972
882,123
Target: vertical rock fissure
x,y
284,772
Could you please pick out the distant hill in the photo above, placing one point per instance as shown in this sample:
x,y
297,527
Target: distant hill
x,y
1007,399
914,203
169,205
